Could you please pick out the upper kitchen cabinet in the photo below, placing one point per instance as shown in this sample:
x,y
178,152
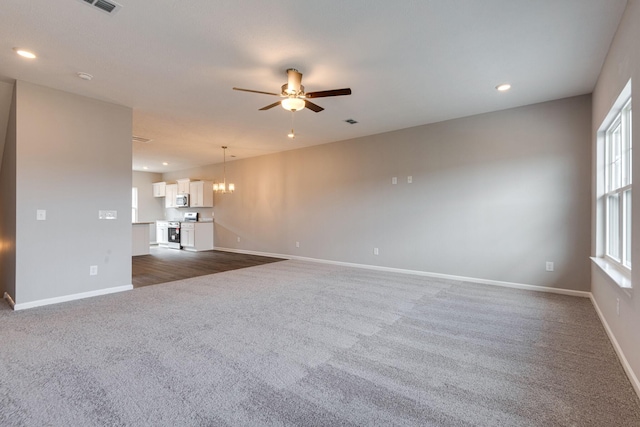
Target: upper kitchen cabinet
x,y
201,193
183,186
171,191
159,189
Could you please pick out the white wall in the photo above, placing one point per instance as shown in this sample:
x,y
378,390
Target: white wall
x,y
622,63
73,158
494,197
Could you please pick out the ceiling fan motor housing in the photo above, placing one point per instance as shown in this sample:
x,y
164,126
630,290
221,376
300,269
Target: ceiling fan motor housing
x,y
294,82
285,91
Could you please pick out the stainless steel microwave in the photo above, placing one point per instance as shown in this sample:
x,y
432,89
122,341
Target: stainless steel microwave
x,y
182,200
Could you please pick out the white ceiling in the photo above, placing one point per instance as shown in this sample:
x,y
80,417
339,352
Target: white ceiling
x,y
408,63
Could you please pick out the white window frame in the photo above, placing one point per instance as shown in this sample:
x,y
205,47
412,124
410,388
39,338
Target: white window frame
x,y
134,204
618,187
614,181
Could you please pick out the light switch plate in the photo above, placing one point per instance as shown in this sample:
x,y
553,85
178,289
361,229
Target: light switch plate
x,y
107,214
41,215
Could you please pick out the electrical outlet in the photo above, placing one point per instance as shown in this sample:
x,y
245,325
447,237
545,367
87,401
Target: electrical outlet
x,y
549,266
618,306
238,239
93,270
394,180
376,251
297,244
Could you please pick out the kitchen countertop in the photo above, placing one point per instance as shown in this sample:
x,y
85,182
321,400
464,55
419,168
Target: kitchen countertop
x,y
175,220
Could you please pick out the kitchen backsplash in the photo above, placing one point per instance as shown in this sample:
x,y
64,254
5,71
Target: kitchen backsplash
x,y
175,214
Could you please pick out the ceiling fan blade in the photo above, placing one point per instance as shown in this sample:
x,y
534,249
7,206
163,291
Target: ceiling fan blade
x,y
256,91
313,107
325,93
268,107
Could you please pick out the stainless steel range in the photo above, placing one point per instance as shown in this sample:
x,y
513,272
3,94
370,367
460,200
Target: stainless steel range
x,y
174,235
191,217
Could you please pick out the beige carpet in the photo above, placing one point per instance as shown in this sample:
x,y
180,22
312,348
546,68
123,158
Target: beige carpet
x,y
304,344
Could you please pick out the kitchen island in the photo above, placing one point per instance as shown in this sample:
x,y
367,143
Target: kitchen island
x,y
140,238
197,236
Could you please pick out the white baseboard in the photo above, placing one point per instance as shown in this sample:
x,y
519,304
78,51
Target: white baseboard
x,y
583,294
72,297
623,360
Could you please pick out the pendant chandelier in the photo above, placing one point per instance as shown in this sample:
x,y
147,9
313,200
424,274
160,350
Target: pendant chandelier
x,y
222,187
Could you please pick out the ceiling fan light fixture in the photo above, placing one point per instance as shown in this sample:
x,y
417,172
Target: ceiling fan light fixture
x,y
293,104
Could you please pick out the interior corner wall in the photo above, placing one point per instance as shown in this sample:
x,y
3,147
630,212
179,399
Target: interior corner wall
x,y
493,196
6,100
8,206
149,208
622,63
73,158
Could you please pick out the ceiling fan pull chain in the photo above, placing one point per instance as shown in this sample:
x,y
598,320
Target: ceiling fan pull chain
x,y
292,135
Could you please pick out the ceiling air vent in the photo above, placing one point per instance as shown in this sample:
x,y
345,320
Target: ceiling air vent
x,y
107,6
140,139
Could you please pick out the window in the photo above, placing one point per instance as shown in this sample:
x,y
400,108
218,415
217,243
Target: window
x,y
617,186
134,204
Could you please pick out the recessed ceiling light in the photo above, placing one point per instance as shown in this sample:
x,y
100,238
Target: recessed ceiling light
x,y
24,53
503,87
165,164
84,76
145,168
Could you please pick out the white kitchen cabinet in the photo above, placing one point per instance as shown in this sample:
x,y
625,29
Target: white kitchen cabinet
x,y
183,186
187,235
171,191
162,233
196,236
159,189
201,193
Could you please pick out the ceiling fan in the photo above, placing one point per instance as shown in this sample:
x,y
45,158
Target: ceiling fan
x,y
295,98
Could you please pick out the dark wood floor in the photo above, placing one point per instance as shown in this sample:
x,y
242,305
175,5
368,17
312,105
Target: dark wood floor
x,y
166,265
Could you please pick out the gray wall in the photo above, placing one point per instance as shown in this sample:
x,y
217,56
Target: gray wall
x,y
494,197
622,64
149,208
6,95
8,206
73,158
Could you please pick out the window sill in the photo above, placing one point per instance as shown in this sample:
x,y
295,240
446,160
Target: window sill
x,y
612,271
